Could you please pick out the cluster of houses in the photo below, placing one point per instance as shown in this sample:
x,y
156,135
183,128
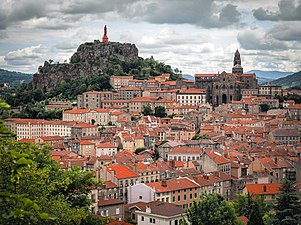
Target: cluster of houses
x,y
153,168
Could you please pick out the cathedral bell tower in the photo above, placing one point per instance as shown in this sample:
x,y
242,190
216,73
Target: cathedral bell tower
x,y
105,38
237,69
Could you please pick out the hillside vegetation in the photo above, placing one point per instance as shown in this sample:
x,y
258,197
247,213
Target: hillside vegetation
x,y
291,81
14,79
68,90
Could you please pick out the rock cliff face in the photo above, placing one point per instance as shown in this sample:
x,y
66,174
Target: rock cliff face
x,y
91,58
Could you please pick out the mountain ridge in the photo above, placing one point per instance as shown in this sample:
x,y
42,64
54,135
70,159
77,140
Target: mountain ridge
x,y
14,78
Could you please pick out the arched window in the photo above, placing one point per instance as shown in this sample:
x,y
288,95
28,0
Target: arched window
x,y
216,87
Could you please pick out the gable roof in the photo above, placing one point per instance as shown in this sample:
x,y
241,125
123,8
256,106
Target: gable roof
x,y
263,189
121,172
158,208
173,185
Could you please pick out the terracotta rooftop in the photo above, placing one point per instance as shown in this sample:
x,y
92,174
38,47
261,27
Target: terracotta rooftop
x,y
121,172
110,201
106,145
263,189
217,157
173,185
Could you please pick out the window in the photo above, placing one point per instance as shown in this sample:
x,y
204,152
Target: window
x,y
179,198
142,218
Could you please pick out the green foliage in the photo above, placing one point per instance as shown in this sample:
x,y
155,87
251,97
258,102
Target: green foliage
x,y
264,107
96,220
37,111
253,209
34,190
138,150
142,68
211,209
14,79
288,207
75,59
160,111
293,80
67,89
156,154
147,110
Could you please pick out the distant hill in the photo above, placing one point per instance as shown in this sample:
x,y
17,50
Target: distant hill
x,y
268,76
13,78
188,76
290,81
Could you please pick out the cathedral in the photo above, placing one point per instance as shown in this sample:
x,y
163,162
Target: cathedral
x,y
223,88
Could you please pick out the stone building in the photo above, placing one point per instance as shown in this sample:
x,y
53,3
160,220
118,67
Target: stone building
x,y
223,88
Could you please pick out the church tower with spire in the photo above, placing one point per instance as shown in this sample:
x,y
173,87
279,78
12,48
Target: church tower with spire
x,y
237,68
105,38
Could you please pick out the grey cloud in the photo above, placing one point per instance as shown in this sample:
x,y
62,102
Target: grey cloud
x,y
289,10
257,40
288,31
204,13
229,14
22,10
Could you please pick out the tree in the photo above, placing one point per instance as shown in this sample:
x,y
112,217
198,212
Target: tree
x,y
255,216
160,111
288,206
211,209
156,154
253,209
33,188
264,107
147,110
138,150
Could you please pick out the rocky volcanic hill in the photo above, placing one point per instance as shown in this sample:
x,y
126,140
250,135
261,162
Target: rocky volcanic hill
x,y
91,58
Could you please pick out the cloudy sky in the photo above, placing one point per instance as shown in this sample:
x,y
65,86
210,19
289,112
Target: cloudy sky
x,y
196,36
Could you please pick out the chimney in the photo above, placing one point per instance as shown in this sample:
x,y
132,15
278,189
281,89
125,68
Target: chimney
x,y
164,183
276,160
148,209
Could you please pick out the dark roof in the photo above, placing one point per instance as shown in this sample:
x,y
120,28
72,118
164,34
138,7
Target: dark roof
x,y
158,208
284,132
110,201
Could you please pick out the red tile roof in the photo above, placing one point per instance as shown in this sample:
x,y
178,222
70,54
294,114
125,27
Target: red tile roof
x,y
27,140
121,172
263,189
110,201
86,143
217,157
106,145
173,185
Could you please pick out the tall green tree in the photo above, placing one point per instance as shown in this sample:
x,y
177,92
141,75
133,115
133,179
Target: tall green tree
x,y
160,111
253,209
212,209
33,188
147,110
288,207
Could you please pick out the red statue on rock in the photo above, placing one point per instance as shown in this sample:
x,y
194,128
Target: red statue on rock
x,y
105,38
